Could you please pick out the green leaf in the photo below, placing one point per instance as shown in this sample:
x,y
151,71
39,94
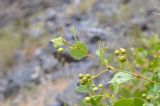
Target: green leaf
x,y
155,89
73,31
84,103
82,89
125,92
116,88
121,77
78,50
129,102
58,41
101,54
96,100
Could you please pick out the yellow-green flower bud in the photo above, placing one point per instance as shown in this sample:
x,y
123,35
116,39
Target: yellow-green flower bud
x,y
87,99
122,50
100,85
95,89
117,52
60,49
122,59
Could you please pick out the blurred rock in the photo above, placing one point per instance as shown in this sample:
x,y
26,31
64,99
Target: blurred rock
x,y
70,97
46,60
22,76
11,10
118,23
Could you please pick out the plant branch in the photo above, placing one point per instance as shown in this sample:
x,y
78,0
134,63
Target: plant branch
x,y
114,69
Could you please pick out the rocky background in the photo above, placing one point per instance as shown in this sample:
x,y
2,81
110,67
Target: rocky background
x,y
31,73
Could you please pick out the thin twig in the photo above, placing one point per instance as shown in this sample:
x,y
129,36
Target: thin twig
x,y
114,69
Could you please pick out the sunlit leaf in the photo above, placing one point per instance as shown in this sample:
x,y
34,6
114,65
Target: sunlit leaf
x,y
121,77
73,31
101,54
58,41
129,102
78,50
82,89
96,100
116,87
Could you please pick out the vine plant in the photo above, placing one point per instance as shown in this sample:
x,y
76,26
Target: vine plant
x,y
141,71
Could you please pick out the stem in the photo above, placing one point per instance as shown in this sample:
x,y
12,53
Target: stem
x,y
100,73
131,66
115,69
137,76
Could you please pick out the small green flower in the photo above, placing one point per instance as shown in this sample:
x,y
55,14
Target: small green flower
x,y
122,59
144,95
84,79
148,98
60,49
100,85
87,99
122,50
117,52
81,76
95,89
88,75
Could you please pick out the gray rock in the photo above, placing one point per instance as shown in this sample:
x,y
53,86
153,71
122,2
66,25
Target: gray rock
x,y
12,10
23,74
57,104
70,97
47,61
21,77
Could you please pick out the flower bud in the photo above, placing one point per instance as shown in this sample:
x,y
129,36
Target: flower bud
x,y
117,52
144,95
122,50
122,59
80,76
100,85
60,49
95,89
87,99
